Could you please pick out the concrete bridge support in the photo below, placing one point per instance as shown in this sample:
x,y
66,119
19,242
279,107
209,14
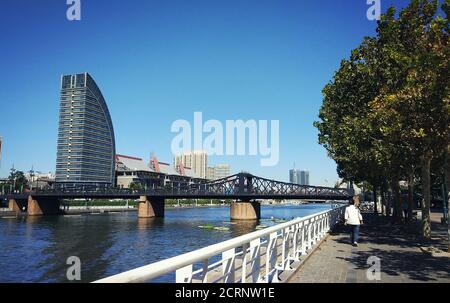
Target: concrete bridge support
x,y
17,206
245,211
150,207
43,206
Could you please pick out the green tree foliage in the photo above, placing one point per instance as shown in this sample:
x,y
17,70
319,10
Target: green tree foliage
x,y
387,110
18,178
135,185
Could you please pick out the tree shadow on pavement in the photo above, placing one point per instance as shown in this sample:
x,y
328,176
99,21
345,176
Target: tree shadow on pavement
x,y
398,250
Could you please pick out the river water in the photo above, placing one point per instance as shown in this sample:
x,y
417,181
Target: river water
x,y
35,249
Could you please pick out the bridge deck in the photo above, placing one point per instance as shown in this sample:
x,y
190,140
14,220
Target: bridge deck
x,y
241,186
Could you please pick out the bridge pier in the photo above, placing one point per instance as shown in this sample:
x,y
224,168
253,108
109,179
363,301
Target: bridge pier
x,y
43,206
245,211
17,205
150,207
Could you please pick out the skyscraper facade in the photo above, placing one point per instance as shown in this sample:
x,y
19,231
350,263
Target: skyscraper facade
x,y
210,173
294,176
86,145
304,177
219,171
297,176
196,160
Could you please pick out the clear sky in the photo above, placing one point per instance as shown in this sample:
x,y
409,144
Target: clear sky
x,y
158,61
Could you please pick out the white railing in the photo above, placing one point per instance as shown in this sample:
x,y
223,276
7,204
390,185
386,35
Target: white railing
x,y
260,256
103,207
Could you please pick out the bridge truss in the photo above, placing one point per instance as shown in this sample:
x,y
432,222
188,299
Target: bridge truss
x,y
242,186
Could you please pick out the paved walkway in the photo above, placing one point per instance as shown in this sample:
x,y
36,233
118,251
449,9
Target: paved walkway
x,y
401,257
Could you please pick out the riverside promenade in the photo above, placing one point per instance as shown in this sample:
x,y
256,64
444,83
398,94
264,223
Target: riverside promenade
x,y
403,257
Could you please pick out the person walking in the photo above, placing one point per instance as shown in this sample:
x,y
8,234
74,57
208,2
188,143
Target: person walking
x,y
405,208
354,219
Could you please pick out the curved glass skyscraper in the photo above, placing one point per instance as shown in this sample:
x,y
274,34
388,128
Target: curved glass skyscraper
x,y
86,146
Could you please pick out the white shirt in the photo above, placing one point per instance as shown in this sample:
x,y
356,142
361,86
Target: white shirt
x,y
353,215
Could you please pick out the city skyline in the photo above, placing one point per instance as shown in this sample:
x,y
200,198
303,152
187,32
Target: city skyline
x,y
270,65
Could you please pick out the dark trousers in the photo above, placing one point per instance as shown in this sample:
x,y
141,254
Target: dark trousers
x,y
354,233
406,214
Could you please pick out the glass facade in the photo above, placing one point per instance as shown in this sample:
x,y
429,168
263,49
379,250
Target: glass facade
x,y
304,177
86,146
297,176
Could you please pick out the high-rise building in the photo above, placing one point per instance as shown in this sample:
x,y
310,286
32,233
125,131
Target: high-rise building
x,y
210,173
294,176
304,177
196,160
86,145
219,171
297,176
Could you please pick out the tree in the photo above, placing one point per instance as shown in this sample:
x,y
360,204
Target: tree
x,y
17,180
344,129
386,111
135,185
412,110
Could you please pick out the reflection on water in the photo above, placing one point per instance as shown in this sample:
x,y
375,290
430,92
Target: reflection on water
x,y
239,228
35,249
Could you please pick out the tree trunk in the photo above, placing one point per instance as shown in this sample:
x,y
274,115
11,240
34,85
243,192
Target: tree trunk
x,y
447,191
383,200
426,183
410,194
388,203
397,203
375,210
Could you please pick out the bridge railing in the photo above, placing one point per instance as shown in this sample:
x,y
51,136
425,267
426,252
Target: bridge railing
x,y
261,256
241,184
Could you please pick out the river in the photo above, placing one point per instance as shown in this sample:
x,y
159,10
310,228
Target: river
x,y
35,249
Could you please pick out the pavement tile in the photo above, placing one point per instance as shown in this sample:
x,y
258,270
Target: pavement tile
x,y
401,259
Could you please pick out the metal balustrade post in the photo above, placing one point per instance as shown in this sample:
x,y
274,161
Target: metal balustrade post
x,y
288,248
228,265
255,264
314,233
297,243
291,245
184,274
303,242
205,271
244,262
321,229
318,231
284,248
309,243
271,257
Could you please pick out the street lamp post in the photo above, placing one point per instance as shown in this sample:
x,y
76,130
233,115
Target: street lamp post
x,y
31,177
13,173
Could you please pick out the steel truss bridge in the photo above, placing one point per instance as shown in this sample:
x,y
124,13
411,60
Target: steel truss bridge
x,y
242,186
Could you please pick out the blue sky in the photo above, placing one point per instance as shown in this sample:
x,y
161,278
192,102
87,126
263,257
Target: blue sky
x,y
159,61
